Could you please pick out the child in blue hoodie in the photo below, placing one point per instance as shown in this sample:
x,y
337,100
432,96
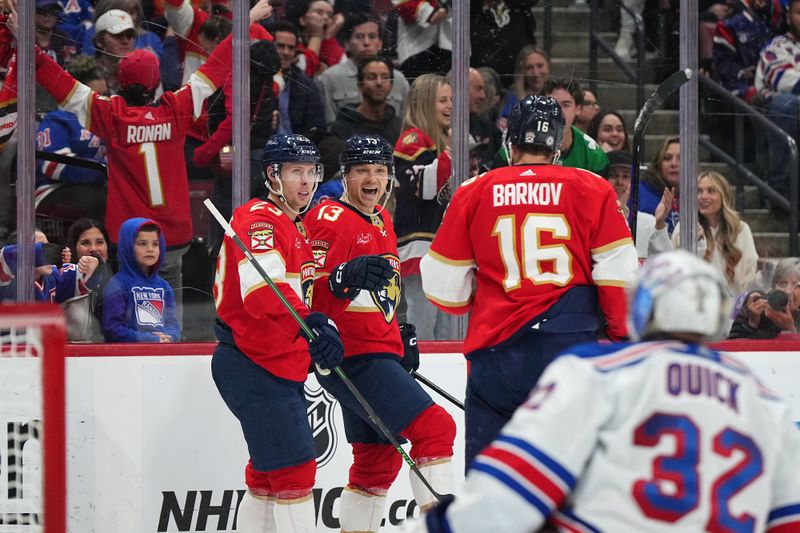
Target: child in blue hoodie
x,y
138,304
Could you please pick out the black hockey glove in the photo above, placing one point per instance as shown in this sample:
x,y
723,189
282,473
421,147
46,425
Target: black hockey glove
x,y
326,349
410,360
435,519
368,272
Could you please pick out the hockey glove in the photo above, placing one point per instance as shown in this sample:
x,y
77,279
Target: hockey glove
x,y
410,360
326,349
435,519
368,272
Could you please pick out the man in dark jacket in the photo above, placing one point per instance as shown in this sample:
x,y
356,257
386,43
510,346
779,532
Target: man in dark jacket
x,y
299,102
373,115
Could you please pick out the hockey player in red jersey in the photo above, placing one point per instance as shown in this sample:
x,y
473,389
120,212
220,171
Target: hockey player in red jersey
x,y
262,359
660,436
358,286
146,166
529,249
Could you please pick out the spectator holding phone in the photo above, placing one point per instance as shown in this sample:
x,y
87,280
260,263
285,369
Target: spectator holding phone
x,y
786,278
751,322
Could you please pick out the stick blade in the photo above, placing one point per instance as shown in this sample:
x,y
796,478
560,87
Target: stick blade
x,y
656,100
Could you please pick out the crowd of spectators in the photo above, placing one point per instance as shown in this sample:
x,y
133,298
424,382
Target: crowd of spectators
x,y
330,69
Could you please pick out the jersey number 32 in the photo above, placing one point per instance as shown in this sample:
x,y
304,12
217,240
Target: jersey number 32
x,y
678,473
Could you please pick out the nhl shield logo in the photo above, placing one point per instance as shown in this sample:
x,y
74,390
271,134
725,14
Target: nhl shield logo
x,y
320,409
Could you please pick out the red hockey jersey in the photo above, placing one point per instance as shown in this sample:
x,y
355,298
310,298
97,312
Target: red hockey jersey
x,y
515,239
8,85
146,165
262,326
339,233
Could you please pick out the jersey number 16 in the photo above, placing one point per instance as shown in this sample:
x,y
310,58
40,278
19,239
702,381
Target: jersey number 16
x,y
534,255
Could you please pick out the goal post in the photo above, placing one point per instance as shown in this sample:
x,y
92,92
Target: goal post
x,y
33,496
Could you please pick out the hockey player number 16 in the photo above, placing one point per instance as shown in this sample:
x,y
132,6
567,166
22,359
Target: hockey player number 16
x,y
535,256
680,473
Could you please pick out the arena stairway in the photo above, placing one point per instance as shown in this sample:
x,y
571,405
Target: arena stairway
x,y
570,58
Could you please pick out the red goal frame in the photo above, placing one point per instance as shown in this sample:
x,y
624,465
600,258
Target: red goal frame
x,y
51,320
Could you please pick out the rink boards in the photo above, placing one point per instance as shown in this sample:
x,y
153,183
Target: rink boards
x,y
152,447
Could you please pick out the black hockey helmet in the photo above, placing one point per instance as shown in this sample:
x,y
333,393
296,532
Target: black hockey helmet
x,y
362,148
537,121
289,149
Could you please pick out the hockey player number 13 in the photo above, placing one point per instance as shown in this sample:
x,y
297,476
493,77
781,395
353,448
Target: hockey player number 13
x,y
551,263
679,472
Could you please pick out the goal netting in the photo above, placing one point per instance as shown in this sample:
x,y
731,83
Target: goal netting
x,y
32,419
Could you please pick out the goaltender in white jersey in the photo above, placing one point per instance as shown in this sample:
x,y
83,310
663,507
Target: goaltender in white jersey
x,y
664,435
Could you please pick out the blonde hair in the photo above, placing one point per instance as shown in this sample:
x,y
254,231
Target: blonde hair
x,y
420,108
519,85
729,225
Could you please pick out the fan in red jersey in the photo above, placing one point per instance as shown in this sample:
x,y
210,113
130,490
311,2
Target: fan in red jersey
x,y
530,249
144,141
358,286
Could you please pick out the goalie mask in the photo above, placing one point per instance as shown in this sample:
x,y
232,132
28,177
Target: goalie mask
x,y
281,149
536,121
678,293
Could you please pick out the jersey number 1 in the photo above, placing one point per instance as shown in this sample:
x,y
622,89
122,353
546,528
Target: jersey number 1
x,y
154,189
535,255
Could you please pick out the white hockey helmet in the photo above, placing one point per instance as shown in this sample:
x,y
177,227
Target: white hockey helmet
x,y
678,293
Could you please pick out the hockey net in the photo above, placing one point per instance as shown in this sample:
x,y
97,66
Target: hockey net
x,y
32,419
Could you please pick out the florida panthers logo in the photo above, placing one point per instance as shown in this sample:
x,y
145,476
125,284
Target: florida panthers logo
x,y
388,298
320,410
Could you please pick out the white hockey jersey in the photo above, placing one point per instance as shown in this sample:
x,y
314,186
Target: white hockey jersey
x,y
657,436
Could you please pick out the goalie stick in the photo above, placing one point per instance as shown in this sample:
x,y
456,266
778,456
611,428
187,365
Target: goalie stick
x,y
373,416
653,104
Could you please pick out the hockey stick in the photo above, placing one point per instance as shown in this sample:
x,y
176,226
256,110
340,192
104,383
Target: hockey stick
x,y
437,389
311,336
653,104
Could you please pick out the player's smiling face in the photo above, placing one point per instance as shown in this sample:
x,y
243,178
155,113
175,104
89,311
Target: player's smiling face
x,y
298,183
366,184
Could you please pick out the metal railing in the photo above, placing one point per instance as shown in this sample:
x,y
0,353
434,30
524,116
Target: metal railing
x,y
736,162
596,41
